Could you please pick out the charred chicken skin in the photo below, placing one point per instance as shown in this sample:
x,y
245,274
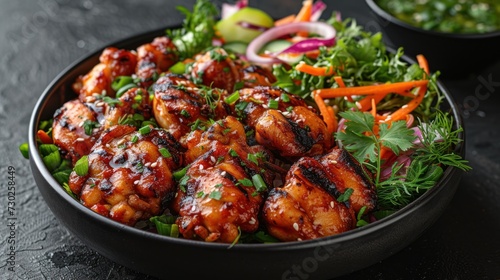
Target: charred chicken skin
x,y
129,176
154,58
216,198
113,63
307,205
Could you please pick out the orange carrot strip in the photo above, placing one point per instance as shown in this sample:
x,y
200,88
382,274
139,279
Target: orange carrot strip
x,y
339,81
328,118
285,20
374,107
401,113
305,12
368,90
422,61
366,103
335,121
304,15
44,137
314,70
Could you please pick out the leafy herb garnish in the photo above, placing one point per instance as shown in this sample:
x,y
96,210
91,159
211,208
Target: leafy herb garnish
x,y
197,29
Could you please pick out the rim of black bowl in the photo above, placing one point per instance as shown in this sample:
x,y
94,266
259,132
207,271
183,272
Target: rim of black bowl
x,y
339,238
390,18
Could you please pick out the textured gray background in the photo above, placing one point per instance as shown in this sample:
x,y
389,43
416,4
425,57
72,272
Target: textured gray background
x,y
38,39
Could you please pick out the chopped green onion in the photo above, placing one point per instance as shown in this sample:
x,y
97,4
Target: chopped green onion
x,y
241,106
215,195
185,113
253,158
24,149
232,98
145,130
165,152
121,81
82,166
233,153
51,156
165,226
179,174
134,139
123,89
68,190
259,183
178,68
285,97
236,239
345,196
273,104
245,182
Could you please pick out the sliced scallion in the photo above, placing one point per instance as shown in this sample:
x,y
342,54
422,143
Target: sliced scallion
x,y
121,81
232,98
259,183
81,167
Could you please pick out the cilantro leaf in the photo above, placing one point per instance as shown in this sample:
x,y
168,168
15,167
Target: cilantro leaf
x,y
397,137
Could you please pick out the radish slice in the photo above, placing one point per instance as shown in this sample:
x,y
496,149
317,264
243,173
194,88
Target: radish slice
x,y
323,29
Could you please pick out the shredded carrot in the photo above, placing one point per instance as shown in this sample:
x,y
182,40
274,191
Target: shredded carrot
x,y
374,107
366,103
305,12
369,90
401,113
44,137
314,70
328,115
422,61
285,20
339,81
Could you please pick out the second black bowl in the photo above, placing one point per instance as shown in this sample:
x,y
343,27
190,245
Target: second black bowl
x,y
454,55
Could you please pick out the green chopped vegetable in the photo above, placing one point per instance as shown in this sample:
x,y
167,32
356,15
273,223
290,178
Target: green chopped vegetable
x,y
81,167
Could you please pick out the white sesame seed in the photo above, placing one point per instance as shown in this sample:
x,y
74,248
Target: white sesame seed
x,y
252,221
136,182
296,226
121,141
332,204
404,106
95,94
107,145
212,159
80,139
333,161
201,167
154,164
147,164
100,104
81,123
358,105
299,239
223,173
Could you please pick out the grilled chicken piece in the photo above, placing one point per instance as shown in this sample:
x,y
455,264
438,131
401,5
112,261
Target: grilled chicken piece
x,y
178,104
216,69
306,207
155,58
129,176
216,198
290,127
69,131
126,108
348,173
113,63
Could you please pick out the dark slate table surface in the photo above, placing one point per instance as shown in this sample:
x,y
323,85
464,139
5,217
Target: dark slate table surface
x,y
38,39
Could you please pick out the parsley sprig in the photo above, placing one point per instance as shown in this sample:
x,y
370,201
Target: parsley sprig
x,y
362,140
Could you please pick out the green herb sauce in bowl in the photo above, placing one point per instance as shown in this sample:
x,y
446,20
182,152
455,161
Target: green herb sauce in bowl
x,y
451,16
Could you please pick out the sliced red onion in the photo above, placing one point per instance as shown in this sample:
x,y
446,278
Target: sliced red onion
x,y
323,29
309,45
228,9
404,160
249,25
317,9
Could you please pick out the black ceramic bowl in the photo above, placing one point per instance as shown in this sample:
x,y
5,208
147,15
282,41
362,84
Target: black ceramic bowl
x,y
163,256
454,55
